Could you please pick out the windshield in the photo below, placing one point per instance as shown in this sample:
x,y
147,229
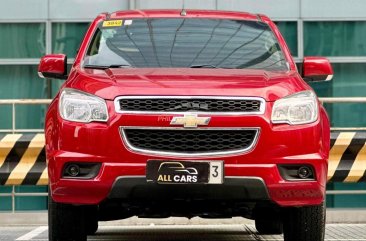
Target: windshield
x,y
185,43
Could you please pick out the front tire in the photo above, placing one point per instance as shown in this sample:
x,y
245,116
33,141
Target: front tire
x,y
305,223
65,222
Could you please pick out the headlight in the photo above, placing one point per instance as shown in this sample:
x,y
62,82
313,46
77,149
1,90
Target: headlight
x,y
78,106
300,108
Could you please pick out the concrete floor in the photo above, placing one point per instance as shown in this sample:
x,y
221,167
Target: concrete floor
x,y
228,232
343,225
352,216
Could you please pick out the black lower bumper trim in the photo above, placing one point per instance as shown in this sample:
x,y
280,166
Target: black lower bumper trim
x,y
136,187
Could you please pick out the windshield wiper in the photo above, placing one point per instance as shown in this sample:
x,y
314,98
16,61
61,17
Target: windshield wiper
x,y
204,66
91,66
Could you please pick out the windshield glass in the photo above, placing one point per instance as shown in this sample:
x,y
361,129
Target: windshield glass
x,y
185,43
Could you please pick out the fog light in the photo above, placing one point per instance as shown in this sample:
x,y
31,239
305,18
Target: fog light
x,y
304,172
81,170
73,170
297,172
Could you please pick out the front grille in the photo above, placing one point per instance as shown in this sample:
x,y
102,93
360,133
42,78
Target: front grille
x,y
183,141
183,105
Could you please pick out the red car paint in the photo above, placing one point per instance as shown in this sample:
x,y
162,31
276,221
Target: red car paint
x,y
68,141
53,63
316,66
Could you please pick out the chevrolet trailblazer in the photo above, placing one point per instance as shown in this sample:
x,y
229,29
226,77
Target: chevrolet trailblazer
x,y
186,113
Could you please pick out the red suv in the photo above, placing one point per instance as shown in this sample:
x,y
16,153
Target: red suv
x,y
186,113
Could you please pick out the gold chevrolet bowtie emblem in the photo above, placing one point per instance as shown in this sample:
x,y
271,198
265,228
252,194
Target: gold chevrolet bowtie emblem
x,y
190,121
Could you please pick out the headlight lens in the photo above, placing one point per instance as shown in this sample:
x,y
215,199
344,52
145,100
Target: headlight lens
x,y
78,106
300,108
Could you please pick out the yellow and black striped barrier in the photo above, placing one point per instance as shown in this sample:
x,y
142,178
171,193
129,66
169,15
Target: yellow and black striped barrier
x,y
347,157
23,159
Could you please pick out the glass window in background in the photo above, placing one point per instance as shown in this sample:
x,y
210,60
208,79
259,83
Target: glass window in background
x,y
5,202
66,37
30,203
21,82
289,32
349,81
335,38
346,201
22,40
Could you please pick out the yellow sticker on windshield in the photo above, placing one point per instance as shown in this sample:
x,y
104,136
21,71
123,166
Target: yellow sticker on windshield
x,y
112,23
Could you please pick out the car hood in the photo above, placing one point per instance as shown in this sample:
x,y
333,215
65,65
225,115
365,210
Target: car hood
x,y
110,83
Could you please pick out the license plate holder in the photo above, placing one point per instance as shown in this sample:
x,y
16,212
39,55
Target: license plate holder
x,y
184,172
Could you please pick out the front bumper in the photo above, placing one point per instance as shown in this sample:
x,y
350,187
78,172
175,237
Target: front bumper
x,y
102,143
257,182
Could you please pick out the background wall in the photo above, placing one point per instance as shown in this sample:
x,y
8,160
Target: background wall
x,y
31,28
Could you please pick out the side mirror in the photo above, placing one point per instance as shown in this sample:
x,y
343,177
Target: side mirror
x,y
53,66
317,69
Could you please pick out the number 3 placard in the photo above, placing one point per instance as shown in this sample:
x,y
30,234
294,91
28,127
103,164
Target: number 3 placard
x,y
216,172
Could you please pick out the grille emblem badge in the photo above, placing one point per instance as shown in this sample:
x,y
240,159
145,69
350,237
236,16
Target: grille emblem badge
x,y
190,121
